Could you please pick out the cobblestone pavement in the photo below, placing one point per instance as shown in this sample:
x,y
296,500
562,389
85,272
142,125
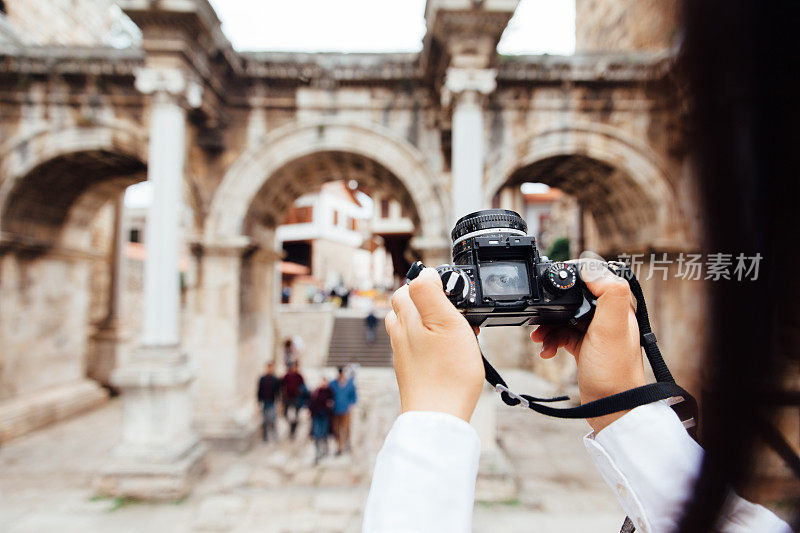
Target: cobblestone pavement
x,y
45,478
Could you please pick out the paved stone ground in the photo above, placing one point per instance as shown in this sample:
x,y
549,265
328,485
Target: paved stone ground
x,y
45,478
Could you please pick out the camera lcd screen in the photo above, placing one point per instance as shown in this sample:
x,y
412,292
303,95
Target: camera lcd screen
x,y
505,280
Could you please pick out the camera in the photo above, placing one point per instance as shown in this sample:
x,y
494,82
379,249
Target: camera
x,y
498,277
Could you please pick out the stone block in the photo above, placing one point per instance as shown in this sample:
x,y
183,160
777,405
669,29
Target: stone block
x,y
153,480
28,412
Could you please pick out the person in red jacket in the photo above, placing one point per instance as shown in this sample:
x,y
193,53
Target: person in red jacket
x,y
294,390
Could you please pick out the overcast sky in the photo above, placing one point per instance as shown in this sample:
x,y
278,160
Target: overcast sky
x,y
539,26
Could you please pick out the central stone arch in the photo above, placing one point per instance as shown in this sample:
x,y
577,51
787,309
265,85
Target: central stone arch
x,y
233,330
259,164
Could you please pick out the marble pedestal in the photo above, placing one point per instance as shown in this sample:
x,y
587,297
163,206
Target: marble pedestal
x,y
159,456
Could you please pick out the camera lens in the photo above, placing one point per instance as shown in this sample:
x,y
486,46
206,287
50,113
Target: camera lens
x,y
488,221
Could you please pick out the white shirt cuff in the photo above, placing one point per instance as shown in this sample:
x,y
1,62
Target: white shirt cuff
x,y
424,477
651,463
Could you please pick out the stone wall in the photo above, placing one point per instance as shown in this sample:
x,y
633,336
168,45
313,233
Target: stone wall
x,y
60,22
43,321
313,323
625,25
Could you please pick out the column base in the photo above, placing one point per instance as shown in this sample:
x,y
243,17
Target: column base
x,y
229,432
27,412
159,456
156,480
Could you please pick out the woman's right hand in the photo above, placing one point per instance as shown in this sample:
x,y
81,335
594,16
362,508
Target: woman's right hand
x,y
607,352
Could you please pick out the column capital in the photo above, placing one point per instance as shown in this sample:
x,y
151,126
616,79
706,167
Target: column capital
x,y
170,83
468,81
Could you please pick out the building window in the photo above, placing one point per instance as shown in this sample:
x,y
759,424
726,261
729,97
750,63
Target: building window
x,y
353,224
135,235
300,215
335,217
384,208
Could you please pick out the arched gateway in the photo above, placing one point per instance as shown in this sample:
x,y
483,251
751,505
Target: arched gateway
x,y
403,168
621,182
233,332
57,288
440,130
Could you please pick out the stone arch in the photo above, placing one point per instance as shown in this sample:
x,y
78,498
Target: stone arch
x,y
36,202
261,167
236,302
54,184
623,183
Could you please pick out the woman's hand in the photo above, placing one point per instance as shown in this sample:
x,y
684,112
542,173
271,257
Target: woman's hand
x,y
436,356
608,353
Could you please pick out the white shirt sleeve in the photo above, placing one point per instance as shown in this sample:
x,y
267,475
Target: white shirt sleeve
x,y
651,463
424,477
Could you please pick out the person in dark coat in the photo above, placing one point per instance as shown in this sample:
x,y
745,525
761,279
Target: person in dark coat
x,y
371,322
269,387
293,391
321,407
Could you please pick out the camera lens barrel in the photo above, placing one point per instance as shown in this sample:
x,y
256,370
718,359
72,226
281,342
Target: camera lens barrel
x,y
488,221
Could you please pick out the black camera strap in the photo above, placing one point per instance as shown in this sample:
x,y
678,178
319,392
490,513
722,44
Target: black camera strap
x,y
664,388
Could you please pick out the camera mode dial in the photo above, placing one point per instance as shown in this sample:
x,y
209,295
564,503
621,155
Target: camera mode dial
x,y
560,277
455,283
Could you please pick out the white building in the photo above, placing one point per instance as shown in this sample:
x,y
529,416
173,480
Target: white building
x,y
325,240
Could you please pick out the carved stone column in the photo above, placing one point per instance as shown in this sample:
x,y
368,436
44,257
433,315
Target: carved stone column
x,y
159,455
466,87
106,344
226,410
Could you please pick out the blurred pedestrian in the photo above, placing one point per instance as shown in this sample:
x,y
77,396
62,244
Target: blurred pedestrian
x,y
344,397
286,294
291,352
292,388
371,321
345,297
320,405
268,388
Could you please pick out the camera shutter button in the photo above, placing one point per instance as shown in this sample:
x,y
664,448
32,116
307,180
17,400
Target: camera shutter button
x,y
455,284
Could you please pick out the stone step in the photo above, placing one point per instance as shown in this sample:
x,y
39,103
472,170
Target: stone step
x,y
349,344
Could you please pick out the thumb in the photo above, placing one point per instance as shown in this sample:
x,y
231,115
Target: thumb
x,y
428,296
614,298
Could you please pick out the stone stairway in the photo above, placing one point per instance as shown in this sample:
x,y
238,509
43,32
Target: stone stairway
x,y
349,343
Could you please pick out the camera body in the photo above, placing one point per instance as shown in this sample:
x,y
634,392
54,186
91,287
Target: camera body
x,y
498,277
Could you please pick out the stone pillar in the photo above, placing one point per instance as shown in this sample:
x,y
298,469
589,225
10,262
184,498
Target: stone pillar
x,y
466,86
106,344
512,198
159,455
226,411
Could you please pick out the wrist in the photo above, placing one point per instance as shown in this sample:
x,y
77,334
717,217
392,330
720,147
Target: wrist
x,y
438,404
600,422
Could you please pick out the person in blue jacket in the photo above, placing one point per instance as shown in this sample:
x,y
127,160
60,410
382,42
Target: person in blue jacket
x,y
344,397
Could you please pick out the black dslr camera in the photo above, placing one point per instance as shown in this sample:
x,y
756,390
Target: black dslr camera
x,y
499,279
